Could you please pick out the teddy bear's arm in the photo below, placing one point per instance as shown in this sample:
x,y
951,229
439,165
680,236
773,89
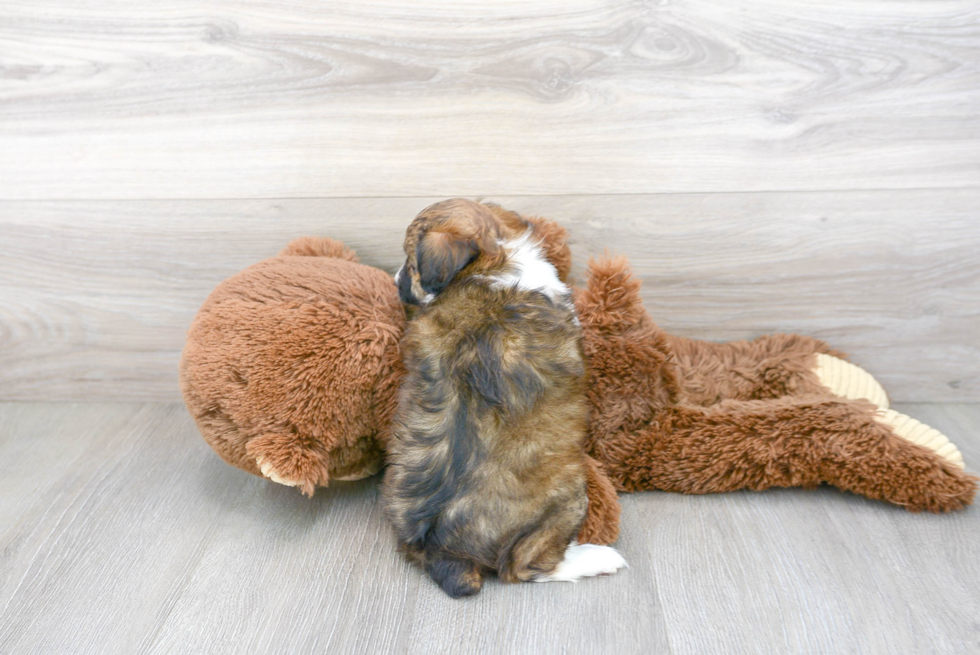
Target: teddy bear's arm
x,y
793,442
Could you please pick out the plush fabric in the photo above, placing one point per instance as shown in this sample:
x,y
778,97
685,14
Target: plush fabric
x,y
686,416
291,371
294,363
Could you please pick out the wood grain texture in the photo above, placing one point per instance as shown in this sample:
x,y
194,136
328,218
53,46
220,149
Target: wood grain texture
x,y
121,532
220,99
131,536
97,295
816,572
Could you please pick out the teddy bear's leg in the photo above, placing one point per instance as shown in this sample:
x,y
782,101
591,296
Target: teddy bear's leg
x,y
848,380
772,366
291,460
921,434
790,442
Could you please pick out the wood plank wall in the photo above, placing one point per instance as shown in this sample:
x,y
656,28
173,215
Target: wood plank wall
x,y
784,165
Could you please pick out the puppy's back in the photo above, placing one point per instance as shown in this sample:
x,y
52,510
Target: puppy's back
x,y
490,428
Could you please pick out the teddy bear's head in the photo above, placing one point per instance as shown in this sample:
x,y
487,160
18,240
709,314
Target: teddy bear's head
x,y
292,367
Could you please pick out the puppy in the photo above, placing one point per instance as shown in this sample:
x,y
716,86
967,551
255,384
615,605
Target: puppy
x,y
487,464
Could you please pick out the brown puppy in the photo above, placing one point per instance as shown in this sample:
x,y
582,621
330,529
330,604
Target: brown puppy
x,y
487,467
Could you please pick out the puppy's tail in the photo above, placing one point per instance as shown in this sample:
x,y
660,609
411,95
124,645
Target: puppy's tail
x,y
457,577
318,247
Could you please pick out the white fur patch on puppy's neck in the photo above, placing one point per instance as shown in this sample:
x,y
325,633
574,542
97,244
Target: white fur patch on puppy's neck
x,y
529,270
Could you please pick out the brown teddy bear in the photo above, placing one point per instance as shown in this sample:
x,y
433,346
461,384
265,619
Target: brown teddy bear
x,y
291,370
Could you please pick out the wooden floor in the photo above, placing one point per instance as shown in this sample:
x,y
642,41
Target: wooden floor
x,y
121,532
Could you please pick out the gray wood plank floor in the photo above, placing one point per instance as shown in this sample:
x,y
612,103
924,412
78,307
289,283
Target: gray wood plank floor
x,y
121,532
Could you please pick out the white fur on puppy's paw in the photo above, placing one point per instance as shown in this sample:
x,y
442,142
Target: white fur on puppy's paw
x,y
921,434
270,472
849,381
585,561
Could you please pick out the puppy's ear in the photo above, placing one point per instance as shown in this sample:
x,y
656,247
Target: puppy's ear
x,y
440,256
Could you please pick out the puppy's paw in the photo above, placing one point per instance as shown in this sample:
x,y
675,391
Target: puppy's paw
x,y
585,561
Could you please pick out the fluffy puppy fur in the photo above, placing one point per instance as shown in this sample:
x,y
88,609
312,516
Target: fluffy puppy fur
x,y
487,469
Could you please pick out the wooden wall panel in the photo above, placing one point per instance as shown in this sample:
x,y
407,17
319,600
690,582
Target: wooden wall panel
x,y
97,295
221,99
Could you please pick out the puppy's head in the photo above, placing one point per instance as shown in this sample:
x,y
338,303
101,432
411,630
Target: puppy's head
x,y
452,239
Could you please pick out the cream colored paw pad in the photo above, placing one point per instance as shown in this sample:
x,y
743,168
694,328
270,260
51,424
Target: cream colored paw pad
x,y
270,472
849,381
366,472
921,434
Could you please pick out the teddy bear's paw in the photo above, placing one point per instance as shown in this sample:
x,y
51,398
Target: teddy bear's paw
x,y
921,434
849,381
369,469
290,460
269,471
356,461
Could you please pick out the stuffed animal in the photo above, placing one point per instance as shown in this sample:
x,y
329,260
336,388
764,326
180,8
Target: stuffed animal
x,y
676,414
291,371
